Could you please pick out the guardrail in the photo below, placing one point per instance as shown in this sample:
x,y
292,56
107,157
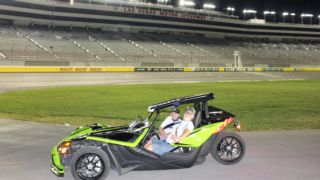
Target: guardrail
x,y
57,69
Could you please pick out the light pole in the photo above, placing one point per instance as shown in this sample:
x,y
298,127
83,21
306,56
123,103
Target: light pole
x,y
284,14
249,11
274,15
230,9
306,15
292,16
265,13
319,19
311,16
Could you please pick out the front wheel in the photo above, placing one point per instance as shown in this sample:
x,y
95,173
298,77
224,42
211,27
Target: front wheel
x,y
228,148
90,163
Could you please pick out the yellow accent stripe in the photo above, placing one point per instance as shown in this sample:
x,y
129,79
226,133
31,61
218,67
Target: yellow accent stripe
x,y
187,69
57,69
288,69
316,69
29,69
66,69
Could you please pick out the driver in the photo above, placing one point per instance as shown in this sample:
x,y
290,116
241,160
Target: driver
x,y
183,130
170,124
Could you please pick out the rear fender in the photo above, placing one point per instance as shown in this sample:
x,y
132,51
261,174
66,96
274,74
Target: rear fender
x,y
206,147
200,135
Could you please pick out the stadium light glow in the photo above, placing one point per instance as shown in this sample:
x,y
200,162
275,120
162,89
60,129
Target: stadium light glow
x,y
230,8
292,16
285,14
306,15
186,3
209,6
265,13
163,1
249,11
269,12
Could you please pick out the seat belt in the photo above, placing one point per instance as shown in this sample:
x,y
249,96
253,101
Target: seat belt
x,y
171,124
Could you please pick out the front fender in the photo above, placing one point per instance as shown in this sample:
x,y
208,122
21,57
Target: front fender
x,y
56,166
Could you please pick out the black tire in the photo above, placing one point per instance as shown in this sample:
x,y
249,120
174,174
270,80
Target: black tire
x,y
90,158
228,144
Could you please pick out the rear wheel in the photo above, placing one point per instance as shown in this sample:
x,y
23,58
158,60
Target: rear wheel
x,y
90,163
228,148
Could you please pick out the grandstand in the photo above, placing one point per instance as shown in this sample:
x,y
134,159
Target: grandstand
x,y
60,46
128,35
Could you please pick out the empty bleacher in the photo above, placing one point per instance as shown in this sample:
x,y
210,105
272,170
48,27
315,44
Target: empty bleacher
x,y
69,46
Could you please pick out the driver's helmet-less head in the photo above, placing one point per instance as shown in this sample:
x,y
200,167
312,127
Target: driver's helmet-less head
x,y
176,110
175,113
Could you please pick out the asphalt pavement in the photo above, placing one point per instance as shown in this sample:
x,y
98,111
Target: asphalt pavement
x,y
25,155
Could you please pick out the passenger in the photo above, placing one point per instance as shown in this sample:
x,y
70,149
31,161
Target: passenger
x,y
185,128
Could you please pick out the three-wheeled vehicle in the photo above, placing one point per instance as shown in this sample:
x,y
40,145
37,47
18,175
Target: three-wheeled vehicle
x,y
93,150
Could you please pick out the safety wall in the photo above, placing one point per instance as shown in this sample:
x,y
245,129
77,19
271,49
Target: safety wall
x,y
46,69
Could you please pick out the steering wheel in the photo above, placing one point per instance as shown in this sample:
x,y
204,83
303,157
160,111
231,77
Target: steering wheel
x,y
153,133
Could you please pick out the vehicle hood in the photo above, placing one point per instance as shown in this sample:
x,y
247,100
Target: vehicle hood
x,y
82,132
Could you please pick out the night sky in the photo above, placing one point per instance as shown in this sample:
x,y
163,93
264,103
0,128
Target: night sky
x,y
296,6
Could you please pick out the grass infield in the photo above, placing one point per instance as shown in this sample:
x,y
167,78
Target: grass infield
x,y
263,105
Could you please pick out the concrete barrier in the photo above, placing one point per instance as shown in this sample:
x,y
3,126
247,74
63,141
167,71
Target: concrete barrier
x,y
72,69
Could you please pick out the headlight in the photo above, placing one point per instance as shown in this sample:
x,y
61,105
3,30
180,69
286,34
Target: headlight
x,y
64,147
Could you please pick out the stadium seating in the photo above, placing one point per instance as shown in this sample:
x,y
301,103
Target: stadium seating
x,y
140,48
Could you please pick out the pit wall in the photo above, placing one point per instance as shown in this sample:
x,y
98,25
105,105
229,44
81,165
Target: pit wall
x,y
56,69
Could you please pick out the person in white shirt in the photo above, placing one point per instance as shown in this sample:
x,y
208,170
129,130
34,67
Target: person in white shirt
x,y
170,124
185,128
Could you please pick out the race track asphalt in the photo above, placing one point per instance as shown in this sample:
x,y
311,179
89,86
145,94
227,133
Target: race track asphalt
x,y
15,81
25,146
25,155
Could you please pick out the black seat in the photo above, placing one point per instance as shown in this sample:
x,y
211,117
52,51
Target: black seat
x,y
197,119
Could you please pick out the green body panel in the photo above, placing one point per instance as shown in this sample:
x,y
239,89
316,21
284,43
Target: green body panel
x,y
103,129
79,132
58,167
86,130
200,135
122,143
56,161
